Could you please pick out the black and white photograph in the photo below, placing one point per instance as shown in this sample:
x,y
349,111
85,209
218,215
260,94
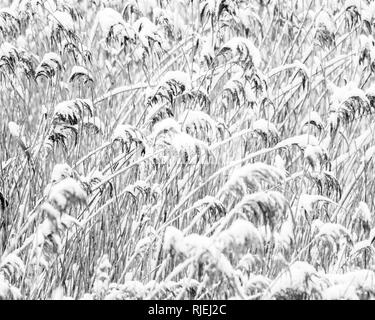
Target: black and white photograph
x,y
200,151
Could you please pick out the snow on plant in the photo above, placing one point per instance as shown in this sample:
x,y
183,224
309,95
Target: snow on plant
x,y
208,149
299,280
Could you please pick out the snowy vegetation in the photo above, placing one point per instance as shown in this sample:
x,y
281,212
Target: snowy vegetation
x,y
187,149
